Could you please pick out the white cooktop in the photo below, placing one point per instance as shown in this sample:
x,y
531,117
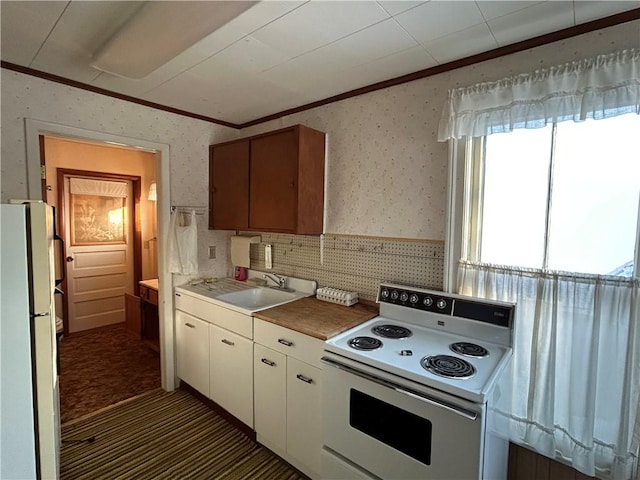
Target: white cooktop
x,y
393,357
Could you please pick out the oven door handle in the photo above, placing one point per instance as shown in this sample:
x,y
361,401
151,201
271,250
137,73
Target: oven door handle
x,y
400,389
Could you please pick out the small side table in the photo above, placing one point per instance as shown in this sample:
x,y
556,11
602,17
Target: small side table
x,y
150,328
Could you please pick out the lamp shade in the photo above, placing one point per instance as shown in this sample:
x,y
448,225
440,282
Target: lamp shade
x,y
153,193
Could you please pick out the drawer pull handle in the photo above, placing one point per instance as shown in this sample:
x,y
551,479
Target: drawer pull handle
x,y
266,361
227,342
286,343
178,295
189,325
304,379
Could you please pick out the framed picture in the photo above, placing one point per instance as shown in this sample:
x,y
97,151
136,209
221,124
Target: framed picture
x,y
97,219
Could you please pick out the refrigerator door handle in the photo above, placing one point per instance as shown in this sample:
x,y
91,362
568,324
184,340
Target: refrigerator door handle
x,y
58,238
63,268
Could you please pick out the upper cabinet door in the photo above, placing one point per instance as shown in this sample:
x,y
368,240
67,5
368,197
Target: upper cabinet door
x,y
274,182
229,186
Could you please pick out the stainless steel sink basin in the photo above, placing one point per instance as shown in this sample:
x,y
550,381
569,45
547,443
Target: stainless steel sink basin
x,y
257,298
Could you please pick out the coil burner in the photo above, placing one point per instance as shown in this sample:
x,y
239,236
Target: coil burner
x,y
469,349
365,343
391,331
448,366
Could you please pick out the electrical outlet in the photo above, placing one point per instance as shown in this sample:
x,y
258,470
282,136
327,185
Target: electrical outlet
x,y
146,245
212,251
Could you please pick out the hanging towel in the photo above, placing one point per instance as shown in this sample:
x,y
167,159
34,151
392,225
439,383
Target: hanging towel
x,y
183,244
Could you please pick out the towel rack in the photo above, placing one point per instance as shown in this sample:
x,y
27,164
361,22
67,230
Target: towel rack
x,y
187,209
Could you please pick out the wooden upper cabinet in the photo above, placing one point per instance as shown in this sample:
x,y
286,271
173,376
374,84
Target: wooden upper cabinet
x,y
229,186
273,184
285,182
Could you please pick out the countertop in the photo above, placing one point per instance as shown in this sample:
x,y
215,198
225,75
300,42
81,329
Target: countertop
x,y
152,283
316,318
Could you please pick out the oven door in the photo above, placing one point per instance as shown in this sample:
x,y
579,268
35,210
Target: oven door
x,y
398,430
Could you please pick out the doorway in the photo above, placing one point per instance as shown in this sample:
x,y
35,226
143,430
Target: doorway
x,y
35,129
104,217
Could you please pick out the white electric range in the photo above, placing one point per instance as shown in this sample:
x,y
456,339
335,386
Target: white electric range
x,y
421,391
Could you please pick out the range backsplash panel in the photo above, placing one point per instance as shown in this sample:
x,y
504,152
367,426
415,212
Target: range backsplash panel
x,y
354,263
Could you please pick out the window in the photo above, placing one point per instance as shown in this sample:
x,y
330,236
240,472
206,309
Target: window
x,y
550,222
564,197
547,216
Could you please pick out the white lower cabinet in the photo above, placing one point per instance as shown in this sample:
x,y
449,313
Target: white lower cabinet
x,y
192,345
273,385
304,427
270,390
231,373
287,392
215,353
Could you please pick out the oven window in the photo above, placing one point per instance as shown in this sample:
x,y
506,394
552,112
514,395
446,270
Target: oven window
x,y
391,425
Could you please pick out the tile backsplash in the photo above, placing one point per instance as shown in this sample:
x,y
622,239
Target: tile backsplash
x,y
353,263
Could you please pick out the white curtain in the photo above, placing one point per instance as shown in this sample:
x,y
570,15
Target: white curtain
x,y
577,341
103,188
599,87
576,363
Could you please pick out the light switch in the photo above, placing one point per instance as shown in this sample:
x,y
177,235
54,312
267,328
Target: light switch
x,y
212,251
268,259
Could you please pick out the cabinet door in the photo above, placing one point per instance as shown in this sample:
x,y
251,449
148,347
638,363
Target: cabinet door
x,y
231,373
304,428
229,186
274,182
270,387
192,344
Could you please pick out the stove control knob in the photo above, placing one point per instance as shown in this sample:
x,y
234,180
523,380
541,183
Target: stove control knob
x,y
413,298
428,301
384,293
441,303
404,296
394,295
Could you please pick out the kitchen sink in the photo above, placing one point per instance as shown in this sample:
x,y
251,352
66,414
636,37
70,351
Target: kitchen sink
x,y
257,298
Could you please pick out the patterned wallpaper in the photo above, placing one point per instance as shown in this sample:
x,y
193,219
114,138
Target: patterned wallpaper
x,y
24,96
387,174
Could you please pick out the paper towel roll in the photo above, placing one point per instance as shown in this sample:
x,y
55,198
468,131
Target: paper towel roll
x,y
240,248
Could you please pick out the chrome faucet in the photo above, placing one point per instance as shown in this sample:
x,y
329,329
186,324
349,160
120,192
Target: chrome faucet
x,y
277,279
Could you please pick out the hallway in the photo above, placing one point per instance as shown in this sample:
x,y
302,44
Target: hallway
x,y
101,367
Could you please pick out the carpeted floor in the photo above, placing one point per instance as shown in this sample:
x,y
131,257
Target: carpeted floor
x,y
164,435
103,367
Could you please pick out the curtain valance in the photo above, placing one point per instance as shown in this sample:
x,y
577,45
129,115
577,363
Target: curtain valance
x,y
104,188
600,87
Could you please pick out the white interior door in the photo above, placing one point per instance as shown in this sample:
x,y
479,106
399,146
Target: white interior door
x,y
99,232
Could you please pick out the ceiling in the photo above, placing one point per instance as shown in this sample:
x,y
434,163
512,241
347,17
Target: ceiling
x,y
279,55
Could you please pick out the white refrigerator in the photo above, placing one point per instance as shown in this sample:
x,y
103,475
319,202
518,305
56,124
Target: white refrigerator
x,y
29,402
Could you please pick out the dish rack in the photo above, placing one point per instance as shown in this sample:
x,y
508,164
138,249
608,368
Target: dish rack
x,y
335,295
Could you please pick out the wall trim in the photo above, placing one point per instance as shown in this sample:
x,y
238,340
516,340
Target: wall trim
x,y
563,34
35,128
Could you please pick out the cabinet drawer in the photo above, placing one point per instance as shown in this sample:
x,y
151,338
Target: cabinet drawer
x,y
152,296
289,342
223,317
149,295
